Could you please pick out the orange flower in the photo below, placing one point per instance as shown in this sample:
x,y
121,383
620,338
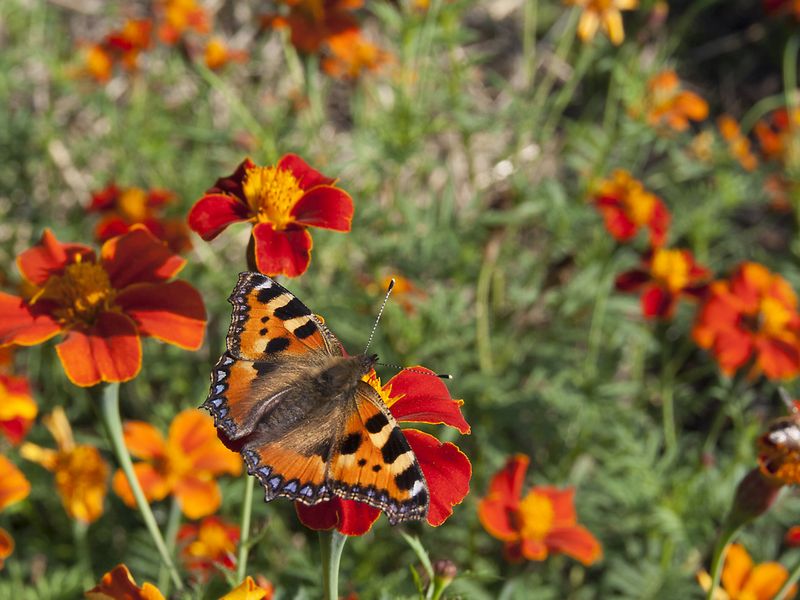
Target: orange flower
x,y
627,206
185,465
752,315
738,144
742,580
118,584
97,62
81,474
17,407
668,104
208,545
602,13
127,43
533,526
6,546
313,22
13,485
217,54
779,136
249,590
180,16
351,55
102,306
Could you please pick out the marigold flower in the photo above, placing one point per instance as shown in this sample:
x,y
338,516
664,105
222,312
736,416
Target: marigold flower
x,y
248,590
208,545
605,14
668,104
778,136
6,546
533,526
752,315
127,43
313,22
742,580
119,584
185,465
217,54
351,55
665,276
17,407
97,62
738,144
13,485
80,472
412,396
180,16
627,206
102,306
282,201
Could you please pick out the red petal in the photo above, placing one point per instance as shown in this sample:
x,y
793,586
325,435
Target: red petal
x,y
657,303
575,541
285,252
618,224
447,471
49,257
104,199
110,227
18,325
659,224
425,399
631,281
214,212
232,184
496,514
792,537
324,206
138,257
778,359
306,177
732,349
508,482
349,517
172,312
109,351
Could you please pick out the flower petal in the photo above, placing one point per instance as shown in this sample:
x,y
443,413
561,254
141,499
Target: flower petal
x,y
19,325
154,486
777,359
214,212
119,583
657,303
765,580
138,257
533,549
49,257
324,206
285,252
447,471
562,502
232,184
496,514
575,541
349,517
198,497
6,546
508,482
424,398
247,590
143,440
171,312
736,570
192,434
631,281
111,226
306,177
109,351
13,484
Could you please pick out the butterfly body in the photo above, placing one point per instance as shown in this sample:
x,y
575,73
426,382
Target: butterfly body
x,y
299,410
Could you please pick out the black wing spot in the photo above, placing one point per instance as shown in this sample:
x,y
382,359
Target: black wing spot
x,y
395,446
362,462
276,345
376,468
264,295
351,443
264,319
322,449
264,368
294,308
407,479
263,331
306,330
376,422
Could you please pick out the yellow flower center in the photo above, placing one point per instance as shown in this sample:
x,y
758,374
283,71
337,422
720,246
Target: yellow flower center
x,y
774,316
271,194
671,269
212,542
385,394
639,204
132,204
14,405
536,516
82,292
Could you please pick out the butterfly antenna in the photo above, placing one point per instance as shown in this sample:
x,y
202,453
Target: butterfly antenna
x,y
787,400
413,370
380,312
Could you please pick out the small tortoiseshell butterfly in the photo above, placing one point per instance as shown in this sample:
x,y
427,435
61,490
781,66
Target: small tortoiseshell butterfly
x,y
779,447
288,397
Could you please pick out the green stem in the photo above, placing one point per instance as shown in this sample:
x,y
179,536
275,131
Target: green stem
x,y
566,93
331,544
790,73
173,523
720,551
529,19
80,531
794,575
110,410
244,532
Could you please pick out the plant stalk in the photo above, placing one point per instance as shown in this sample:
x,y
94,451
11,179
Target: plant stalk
x,y
244,531
720,552
173,523
331,544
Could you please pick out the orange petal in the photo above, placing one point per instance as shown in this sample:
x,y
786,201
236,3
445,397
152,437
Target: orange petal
x,y
6,546
247,590
13,485
49,257
575,541
563,504
193,434
138,257
198,498
154,486
534,549
143,440
736,570
19,325
764,582
118,584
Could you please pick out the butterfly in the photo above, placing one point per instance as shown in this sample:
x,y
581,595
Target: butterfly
x,y
288,397
779,448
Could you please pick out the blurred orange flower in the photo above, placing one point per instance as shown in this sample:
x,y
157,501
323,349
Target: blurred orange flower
x,y
102,306
605,14
627,206
217,54
80,472
540,523
98,63
118,584
185,465
179,16
742,580
249,590
17,407
6,546
208,545
13,485
779,136
665,276
668,104
752,315
738,144
351,55
313,22
127,43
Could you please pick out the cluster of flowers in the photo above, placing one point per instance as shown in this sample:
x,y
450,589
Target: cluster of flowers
x,y
176,21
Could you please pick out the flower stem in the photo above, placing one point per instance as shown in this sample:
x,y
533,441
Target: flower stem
x,y
726,538
110,410
331,544
80,531
173,523
244,531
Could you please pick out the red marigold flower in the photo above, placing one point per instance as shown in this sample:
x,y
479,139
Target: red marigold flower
x,y
17,407
777,133
314,22
665,276
627,206
668,104
127,43
752,315
119,584
542,522
102,306
207,546
412,396
351,55
792,537
180,16
217,54
282,201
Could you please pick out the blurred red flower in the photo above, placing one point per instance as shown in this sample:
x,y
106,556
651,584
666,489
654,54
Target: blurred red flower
x,y
777,134
217,54
419,397
665,276
351,55
102,306
125,44
542,522
792,537
17,407
207,546
180,16
752,315
282,201
314,22
627,206
787,7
